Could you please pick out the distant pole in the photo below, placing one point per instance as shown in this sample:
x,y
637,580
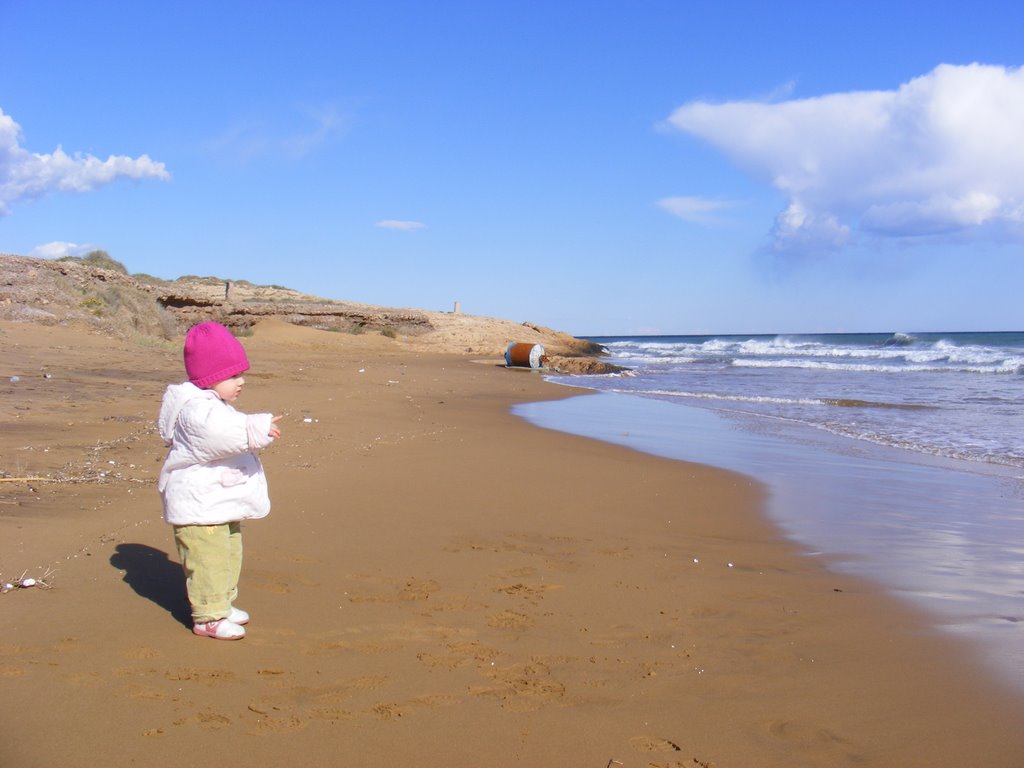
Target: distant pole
x,y
227,290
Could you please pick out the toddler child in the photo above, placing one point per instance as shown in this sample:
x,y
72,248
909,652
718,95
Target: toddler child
x,y
212,479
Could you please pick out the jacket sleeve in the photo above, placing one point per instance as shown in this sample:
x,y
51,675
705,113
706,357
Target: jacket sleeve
x,y
214,430
258,429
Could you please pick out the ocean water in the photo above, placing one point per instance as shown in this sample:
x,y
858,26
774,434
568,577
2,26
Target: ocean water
x,y
899,456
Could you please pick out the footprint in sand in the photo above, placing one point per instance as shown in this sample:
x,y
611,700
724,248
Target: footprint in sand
x,y
273,674
395,710
86,679
454,603
653,744
277,723
142,653
207,719
460,654
509,620
200,675
135,672
532,594
7,670
64,645
623,553
277,582
274,587
455,659
522,687
791,731
369,682
14,650
475,650
406,590
144,694
441,661
522,573
418,589
437,700
387,711
330,713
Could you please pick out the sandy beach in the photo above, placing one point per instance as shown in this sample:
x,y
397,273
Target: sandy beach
x,y
439,584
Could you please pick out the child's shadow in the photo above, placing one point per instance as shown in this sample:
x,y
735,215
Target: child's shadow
x,y
153,576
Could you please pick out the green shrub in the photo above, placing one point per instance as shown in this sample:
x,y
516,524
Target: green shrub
x,y
142,277
99,259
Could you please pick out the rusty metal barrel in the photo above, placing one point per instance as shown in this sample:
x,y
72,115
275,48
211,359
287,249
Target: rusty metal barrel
x,y
523,355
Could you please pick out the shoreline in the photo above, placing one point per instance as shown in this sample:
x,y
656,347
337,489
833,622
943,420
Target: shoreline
x,y
442,583
879,513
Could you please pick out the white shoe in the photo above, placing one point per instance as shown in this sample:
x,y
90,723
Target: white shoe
x,y
238,616
221,629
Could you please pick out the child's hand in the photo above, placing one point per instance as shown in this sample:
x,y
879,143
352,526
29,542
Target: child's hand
x,y
275,431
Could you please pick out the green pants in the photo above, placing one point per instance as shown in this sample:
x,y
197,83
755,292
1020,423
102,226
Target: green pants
x,y
211,556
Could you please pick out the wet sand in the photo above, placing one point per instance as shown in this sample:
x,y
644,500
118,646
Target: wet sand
x,y
940,534
439,584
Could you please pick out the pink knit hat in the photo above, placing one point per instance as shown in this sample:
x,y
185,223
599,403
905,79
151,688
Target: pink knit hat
x,y
212,354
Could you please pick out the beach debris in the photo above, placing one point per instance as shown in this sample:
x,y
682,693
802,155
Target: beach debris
x,y
27,582
309,420
524,355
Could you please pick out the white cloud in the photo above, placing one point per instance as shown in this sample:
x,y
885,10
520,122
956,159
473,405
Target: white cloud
x,y
694,209
810,232
26,175
942,154
246,140
404,226
327,123
58,250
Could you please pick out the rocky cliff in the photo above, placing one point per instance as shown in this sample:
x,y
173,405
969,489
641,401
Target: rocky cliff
x,y
76,292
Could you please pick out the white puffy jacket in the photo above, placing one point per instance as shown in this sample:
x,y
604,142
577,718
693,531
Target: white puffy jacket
x,y
211,474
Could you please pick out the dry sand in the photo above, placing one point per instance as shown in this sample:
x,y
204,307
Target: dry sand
x,y
439,584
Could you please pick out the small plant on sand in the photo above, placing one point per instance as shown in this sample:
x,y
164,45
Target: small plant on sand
x,y
92,304
390,332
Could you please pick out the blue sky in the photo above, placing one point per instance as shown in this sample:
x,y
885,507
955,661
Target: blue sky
x,y
600,167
